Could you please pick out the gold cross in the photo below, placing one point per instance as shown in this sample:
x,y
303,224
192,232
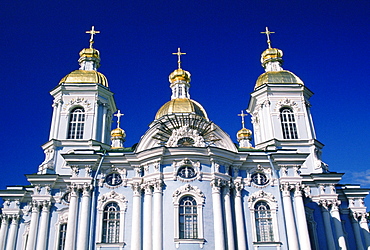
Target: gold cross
x,y
92,32
179,54
119,114
267,32
242,115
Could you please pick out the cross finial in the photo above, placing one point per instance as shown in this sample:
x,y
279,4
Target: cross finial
x,y
119,114
267,32
92,32
242,115
179,54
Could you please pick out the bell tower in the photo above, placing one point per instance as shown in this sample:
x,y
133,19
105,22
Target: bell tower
x,y
83,107
280,108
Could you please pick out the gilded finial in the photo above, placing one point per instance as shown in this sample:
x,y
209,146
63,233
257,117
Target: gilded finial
x,y
92,32
179,54
242,115
119,114
267,32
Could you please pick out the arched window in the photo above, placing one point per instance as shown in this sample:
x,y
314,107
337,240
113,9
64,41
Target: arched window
x,y
76,123
62,236
288,124
111,223
263,220
188,218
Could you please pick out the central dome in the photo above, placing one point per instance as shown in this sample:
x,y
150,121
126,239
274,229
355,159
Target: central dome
x,y
182,106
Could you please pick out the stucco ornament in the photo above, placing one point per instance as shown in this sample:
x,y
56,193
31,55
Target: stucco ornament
x,y
192,135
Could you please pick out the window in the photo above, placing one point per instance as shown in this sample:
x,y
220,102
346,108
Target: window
x,y
62,236
76,123
263,219
288,124
188,218
111,223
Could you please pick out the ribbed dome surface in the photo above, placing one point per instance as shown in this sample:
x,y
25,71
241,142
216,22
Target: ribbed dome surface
x,y
282,76
85,76
181,105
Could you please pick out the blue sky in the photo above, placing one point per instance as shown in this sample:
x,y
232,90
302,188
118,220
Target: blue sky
x,y
324,42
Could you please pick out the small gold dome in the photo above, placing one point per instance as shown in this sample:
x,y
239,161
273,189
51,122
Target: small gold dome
x,y
85,76
243,133
181,105
271,54
282,76
90,52
118,132
179,75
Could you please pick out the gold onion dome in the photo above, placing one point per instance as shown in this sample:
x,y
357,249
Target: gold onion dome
x,y
282,76
118,132
271,54
179,75
243,133
85,76
181,106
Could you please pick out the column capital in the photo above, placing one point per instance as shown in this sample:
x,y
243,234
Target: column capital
x,y
148,187
217,184
86,189
136,188
238,186
35,206
45,205
285,189
158,185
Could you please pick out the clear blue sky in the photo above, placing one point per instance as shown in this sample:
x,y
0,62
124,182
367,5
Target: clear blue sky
x,y
325,43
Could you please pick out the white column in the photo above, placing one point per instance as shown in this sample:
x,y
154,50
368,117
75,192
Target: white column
x,y
42,237
58,117
229,219
158,218
136,217
52,127
239,218
338,225
147,217
327,224
291,229
13,230
72,218
31,243
365,230
4,230
83,233
303,235
219,234
356,231
104,131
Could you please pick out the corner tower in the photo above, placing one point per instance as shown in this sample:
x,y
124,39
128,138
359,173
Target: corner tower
x,y
280,109
82,109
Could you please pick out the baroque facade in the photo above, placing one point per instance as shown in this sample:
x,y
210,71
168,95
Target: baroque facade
x,y
186,184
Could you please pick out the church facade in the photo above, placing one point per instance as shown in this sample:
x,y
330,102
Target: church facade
x,y
186,184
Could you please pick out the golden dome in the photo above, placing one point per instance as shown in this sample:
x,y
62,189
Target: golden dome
x,y
282,76
118,132
271,54
90,52
179,75
181,105
243,133
85,76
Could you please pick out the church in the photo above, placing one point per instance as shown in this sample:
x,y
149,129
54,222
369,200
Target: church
x,y
186,184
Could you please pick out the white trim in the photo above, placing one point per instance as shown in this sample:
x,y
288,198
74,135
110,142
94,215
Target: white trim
x,y
198,195
102,202
271,201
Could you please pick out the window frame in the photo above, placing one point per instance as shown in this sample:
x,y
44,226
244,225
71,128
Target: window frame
x,y
288,123
269,199
76,127
103,201
189,191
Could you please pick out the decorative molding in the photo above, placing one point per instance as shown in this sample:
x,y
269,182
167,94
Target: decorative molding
x,y
112,196
262,195
79,101
185,132
287,103
188,189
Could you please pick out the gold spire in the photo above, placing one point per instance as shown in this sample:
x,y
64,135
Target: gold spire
x,y
92,32
179,54
119,114
242,115
267,32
